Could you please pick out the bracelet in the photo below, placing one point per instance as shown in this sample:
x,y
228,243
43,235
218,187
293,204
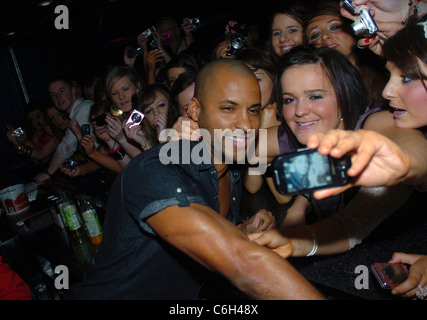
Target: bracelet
x,y
119,155
115,150
315,242
24,150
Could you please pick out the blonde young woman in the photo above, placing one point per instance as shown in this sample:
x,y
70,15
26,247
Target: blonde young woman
x,y
123,86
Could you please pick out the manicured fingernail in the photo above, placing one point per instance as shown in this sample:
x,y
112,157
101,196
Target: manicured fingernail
x,y
367,40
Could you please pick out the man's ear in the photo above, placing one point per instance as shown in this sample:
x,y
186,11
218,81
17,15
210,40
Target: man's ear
x,y
194,109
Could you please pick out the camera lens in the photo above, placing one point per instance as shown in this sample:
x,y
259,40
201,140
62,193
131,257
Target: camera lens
x,y
359,27
136,117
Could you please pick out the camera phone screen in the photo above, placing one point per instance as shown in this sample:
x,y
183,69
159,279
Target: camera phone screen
x,y
307,170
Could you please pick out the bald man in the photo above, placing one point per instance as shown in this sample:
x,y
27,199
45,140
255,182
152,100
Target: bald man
x,y
168,227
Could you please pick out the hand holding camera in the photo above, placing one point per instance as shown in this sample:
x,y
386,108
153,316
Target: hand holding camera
x,y
189,25
388,19
70,164
88,144
364,24
134,119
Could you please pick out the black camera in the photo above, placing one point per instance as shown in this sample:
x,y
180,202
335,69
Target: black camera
x,y
151,42
237,44
307,170
85,129
135,118
70,164
100,120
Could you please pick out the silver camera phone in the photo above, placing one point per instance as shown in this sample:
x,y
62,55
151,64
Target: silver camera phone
x,y
364,25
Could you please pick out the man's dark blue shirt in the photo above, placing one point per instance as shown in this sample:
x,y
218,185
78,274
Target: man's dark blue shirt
x,y
133,262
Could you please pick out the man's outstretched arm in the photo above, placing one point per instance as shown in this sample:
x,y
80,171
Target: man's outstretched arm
x,y
218,245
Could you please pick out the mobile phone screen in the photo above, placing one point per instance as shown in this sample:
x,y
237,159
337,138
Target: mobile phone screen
x,y
308,170
394,273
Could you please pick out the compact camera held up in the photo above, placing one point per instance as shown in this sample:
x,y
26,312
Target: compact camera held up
x,y
194,23
364,25
18,132
135,118
237,44
151,41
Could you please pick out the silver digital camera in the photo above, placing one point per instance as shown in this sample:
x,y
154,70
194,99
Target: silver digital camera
x,y
18,132
135,118
193,23
364,25
237,44
149,31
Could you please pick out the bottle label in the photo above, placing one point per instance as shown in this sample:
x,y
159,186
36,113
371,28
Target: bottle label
x,y
71,213
92,222
61,210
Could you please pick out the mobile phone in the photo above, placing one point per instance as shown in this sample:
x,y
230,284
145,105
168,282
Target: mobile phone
x,y
306,170
390,275
135,118
100,120
85,129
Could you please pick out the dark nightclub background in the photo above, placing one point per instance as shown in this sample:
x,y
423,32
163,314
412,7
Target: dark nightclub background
x,y
98,34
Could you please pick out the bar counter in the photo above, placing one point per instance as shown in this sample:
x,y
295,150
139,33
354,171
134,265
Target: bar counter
x,y
335,276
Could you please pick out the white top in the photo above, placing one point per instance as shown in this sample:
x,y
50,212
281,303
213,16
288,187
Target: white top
x,y
80,112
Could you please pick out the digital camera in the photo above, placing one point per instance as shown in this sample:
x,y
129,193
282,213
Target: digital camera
x,y
193,23
149,31
364,25
85,129
237,44
135,118
18,132
151,42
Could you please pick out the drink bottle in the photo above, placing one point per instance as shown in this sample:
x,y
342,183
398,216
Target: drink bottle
x,y
72,218
91,220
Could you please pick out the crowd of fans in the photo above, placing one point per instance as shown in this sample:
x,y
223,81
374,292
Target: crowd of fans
x,y
320,86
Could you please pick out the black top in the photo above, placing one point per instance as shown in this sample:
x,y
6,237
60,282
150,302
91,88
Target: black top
x,y
133,262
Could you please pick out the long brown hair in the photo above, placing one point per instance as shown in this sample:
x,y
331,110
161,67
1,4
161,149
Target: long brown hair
x,y
407,47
